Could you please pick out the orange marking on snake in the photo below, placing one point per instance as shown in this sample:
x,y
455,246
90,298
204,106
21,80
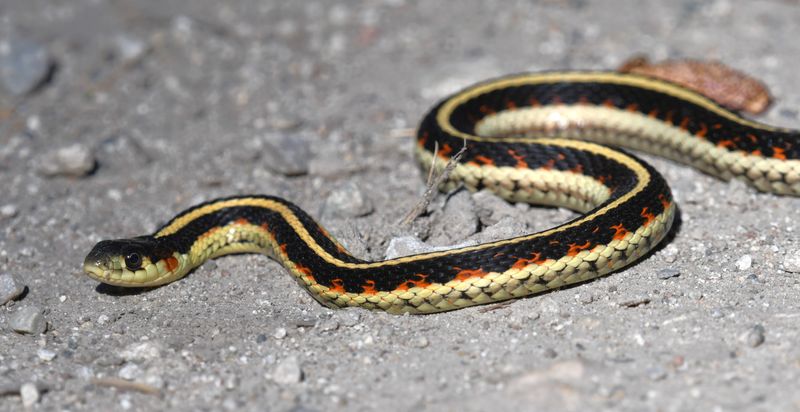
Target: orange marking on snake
x,y
549,164
702,132
668,118
619,231
664,202
575,248
486,109
485,160
609,103
283,247
577,169
778,153
369,288
445,150
726,143
265,226
241,221
647,215
305,271
510,105
756,153
171,263
653,113
583,100
338,286
465,274
536,258
633,107
717,126
684,123
534,103
521,163
423,139
414,283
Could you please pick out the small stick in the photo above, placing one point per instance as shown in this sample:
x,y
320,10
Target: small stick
x,y
122,384
433,184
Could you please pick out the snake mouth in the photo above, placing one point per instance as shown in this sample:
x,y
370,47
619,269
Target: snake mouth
x,y
98,273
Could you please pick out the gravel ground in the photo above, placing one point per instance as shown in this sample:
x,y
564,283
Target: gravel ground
x,y
116,115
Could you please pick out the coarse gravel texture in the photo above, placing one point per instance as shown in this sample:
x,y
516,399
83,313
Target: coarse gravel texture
x,y
152,106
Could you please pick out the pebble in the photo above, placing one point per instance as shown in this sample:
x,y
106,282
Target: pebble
x,y
791,262
744,262
280,333
288,155
420,342
130,48
410,245
549,353
491,209
10,288
667,273
28,320
8,211
329,325
457,221
24,65
670,253
75,160
130,372
288,372
507,228
141,351
755,336
656,373
102,319
348,318
45,355
29,394
348,200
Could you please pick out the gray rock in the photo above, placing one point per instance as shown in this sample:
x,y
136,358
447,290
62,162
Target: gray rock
x,y
410,245
10,288
141,351
506,228
45,355
347,200
755,336
130,371
457,221
29,394
8,211
288,372
286,154
24,65
791,262
28,320
130,48
491,209
667,273
744,262
75,160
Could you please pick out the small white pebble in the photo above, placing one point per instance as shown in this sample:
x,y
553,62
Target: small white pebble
x,y
791,262
280,333
62,298
8,211
102,319
744,262
46,355
29,394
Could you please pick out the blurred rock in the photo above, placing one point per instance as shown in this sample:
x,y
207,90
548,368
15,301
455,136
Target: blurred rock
x,y
25,65
28,320
75,160
10,288
286,154
288,372
347,200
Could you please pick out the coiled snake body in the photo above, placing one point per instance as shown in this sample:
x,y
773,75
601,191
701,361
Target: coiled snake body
x,y
520,134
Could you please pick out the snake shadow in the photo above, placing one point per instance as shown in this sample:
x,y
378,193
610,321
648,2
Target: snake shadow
x,y
111,290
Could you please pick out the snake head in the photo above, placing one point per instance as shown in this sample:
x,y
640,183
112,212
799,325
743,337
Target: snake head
x,y
139,261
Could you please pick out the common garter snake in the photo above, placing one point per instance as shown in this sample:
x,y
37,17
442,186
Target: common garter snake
x,y
520,134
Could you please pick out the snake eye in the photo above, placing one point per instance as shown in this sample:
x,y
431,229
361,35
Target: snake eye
x,y
133,261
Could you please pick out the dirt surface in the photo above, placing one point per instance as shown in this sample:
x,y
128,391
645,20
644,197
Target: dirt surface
x,y
148,107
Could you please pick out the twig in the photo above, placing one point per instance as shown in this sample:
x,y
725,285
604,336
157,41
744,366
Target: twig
x,y
122,384
433,184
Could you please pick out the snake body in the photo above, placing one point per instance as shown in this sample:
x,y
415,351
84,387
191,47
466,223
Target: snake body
x,y
520,135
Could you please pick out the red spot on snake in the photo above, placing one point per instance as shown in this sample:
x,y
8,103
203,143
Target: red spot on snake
x,y
647,215
726,143
171,263
756,153
583,100
510,105
338,286
464,274
702,132
752,137
684,123
664,202
633,107
536,258
487,110
242,221
670,115
575,248
609,103
577,169
369,287
445,150
619,231
423,139
778,153
305,271
485,160
521,163
414,283
717,126
549,164
533,102
653,113
265,226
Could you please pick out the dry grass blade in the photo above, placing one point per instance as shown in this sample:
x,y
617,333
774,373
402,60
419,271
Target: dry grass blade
x,y
433,184
122,384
